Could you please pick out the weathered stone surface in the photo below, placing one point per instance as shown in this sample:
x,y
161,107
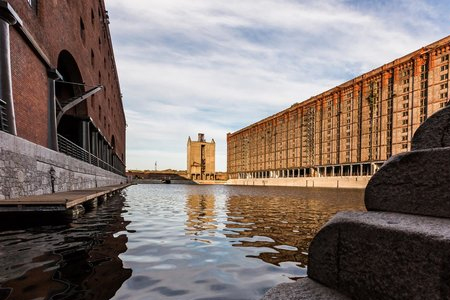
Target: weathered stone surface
x,y
303,289
434,132
24,170
381,255
414,182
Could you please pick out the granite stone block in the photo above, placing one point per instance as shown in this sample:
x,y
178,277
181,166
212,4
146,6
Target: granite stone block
x,y
415,182
303,289
434,132
381,255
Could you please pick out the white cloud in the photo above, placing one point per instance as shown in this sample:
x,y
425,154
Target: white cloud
x,y
216,66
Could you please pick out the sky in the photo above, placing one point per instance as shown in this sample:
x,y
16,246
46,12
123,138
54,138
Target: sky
x,y
216,66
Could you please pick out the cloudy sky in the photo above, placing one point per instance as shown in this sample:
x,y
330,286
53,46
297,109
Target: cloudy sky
x,y
215,66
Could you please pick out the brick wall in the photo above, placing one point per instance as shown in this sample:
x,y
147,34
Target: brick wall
x,y
56,26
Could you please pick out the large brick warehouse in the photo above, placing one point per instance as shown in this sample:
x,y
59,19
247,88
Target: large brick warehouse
x,y
350,130
60,100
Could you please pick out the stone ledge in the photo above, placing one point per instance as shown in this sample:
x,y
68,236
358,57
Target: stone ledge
x,y
381,255
303,289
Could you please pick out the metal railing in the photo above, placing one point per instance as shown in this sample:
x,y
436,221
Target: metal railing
x,y
70,148
3,116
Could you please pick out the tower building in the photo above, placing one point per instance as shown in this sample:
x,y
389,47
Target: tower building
x,y
201,158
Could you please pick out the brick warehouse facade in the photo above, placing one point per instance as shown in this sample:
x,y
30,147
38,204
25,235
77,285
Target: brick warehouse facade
x,y
349,130
60,87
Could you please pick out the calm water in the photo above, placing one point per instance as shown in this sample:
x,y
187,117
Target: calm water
x,y
171,242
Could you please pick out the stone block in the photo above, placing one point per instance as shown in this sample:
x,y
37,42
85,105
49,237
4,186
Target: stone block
x,y
382,255
414,182
434,132
303,289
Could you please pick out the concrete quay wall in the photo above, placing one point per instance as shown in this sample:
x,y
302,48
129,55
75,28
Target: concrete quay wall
x,y
354,182
25,170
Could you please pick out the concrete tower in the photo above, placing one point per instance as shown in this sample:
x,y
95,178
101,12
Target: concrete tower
x,y
201,158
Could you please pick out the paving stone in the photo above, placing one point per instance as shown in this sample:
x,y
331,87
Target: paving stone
x,y
382,255
415,182
303,289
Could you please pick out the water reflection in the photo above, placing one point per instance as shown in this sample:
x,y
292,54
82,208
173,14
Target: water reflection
x,y
200,214
181,242
79,260
284,221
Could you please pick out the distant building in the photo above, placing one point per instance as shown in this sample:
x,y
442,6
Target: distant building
x,y
201,159
350,130
61,109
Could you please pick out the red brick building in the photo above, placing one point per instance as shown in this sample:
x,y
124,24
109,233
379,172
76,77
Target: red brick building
x,y
59,83
349,130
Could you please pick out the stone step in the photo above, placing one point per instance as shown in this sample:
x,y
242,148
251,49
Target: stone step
x,y
415,182
383,255
303,289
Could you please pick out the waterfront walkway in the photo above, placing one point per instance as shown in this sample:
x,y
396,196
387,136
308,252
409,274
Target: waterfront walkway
x,y
61,201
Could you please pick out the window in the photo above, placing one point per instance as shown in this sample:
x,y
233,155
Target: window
x,y
444,77
444,67
404,146
406,81
443,95
404,122
444,86
404,138
423,68
406,97
444,58
405,114
406,89
405,105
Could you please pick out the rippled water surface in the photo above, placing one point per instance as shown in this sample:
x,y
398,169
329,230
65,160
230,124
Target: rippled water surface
x,y
172,242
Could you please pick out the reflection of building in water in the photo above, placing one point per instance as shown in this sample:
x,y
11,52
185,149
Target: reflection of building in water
x,y
79,263
200,214
289,221
201,159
